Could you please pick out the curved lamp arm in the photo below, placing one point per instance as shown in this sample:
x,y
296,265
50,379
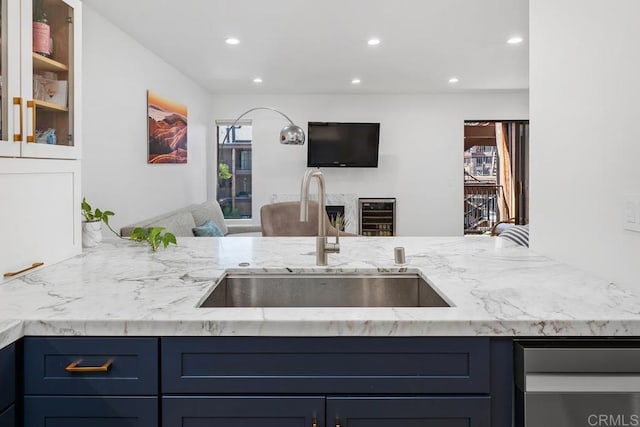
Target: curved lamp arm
x,y
289,135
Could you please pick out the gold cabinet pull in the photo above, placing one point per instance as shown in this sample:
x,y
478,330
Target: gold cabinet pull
x,y
32,105
75,369
337,422
18,101
314,423
15,273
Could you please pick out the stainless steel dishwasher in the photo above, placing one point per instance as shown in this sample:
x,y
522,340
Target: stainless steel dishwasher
x,y
567,383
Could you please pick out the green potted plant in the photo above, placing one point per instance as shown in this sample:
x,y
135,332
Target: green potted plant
x,y
92,224
154,236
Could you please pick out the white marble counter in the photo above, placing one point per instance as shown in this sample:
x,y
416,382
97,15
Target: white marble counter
x,y
121,288
10,331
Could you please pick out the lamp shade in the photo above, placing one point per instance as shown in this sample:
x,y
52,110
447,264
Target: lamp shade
x,y
292,135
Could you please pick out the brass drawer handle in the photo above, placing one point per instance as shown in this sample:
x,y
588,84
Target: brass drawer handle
x,y
314,423
15,273
75,369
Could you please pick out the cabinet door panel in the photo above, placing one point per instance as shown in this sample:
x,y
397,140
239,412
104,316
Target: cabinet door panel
x,y
222,411
7,377
8,417
60,112
10,130
40,215
409,411
133,369
336,365
90,411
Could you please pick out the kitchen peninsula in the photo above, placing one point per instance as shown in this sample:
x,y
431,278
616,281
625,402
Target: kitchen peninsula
x,y
131,317
122,288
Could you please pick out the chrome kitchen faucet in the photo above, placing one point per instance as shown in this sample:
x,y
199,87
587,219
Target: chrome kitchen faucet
x,y
323,247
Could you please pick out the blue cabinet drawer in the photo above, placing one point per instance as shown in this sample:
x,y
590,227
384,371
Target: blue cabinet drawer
x,y
91,366
80,411
245,411
8,417
7,376
335,365
410,411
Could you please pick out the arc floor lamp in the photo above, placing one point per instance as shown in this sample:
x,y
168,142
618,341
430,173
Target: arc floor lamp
x,y
291,134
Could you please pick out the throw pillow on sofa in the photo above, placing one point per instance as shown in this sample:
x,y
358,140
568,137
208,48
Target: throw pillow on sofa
x,y
208,229
518,234
209,211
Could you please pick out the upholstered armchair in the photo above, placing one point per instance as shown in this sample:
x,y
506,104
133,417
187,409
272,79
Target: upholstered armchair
x,y
283,219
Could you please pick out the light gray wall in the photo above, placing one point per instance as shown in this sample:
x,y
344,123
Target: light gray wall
x,y
421,149
585,138
117,73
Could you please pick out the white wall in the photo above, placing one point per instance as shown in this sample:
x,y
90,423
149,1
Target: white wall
x,y
421,149
117,72
585,133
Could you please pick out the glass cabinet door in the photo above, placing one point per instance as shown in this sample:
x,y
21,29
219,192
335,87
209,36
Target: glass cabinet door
x,y
11,111
50,105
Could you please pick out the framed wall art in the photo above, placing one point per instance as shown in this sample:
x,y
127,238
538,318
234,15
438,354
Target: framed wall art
x,y
167,130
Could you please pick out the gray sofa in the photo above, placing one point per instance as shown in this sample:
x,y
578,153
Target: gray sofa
x,y
181,221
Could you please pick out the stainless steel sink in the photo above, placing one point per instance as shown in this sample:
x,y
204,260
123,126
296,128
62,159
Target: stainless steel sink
x,y
246,289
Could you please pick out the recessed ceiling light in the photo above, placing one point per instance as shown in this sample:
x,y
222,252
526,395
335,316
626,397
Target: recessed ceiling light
x,y
257,80
356,81
373,42
232,41
454,80
515,40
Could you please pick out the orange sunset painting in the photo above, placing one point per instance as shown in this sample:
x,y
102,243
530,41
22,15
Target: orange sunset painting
x,y
167,130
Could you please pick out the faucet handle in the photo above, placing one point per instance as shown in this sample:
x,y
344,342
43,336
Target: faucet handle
x,y
334,248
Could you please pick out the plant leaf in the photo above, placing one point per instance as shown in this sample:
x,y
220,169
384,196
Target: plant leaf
x,y
168,238
154,232
106,215
139,234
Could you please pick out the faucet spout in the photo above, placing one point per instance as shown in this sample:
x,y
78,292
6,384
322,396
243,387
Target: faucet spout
x,y
323,247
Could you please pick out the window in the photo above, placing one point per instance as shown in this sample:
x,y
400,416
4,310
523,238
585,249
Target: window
x,y
234,169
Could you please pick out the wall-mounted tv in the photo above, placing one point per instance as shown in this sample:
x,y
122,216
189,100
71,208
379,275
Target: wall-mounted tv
x,y
343,144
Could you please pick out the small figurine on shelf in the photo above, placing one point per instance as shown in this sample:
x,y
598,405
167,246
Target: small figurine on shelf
x,y
46,137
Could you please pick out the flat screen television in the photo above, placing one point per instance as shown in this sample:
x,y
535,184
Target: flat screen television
x,y
333,144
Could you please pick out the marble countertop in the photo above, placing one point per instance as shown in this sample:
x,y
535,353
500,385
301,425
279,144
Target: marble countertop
x,y
121,288
10,331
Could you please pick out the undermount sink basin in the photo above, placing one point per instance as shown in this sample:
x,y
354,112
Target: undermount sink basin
x,y
246,289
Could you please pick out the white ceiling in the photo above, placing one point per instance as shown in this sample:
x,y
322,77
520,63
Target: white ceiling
x,y
319,46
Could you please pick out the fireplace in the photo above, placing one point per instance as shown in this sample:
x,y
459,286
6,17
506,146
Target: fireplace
x,y
333,211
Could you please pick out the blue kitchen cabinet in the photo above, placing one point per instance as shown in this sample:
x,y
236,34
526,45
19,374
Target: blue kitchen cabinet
x,y
410,411
98,382
8,417
263,382
84,411
245,411
325,365
359,381
8,386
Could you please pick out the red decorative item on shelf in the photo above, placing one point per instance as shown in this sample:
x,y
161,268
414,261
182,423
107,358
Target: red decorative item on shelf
x,y
41,31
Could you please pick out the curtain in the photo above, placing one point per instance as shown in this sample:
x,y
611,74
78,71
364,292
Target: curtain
x,y
505,175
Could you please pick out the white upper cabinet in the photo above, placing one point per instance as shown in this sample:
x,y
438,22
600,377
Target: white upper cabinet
x,y
41,78
10,76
